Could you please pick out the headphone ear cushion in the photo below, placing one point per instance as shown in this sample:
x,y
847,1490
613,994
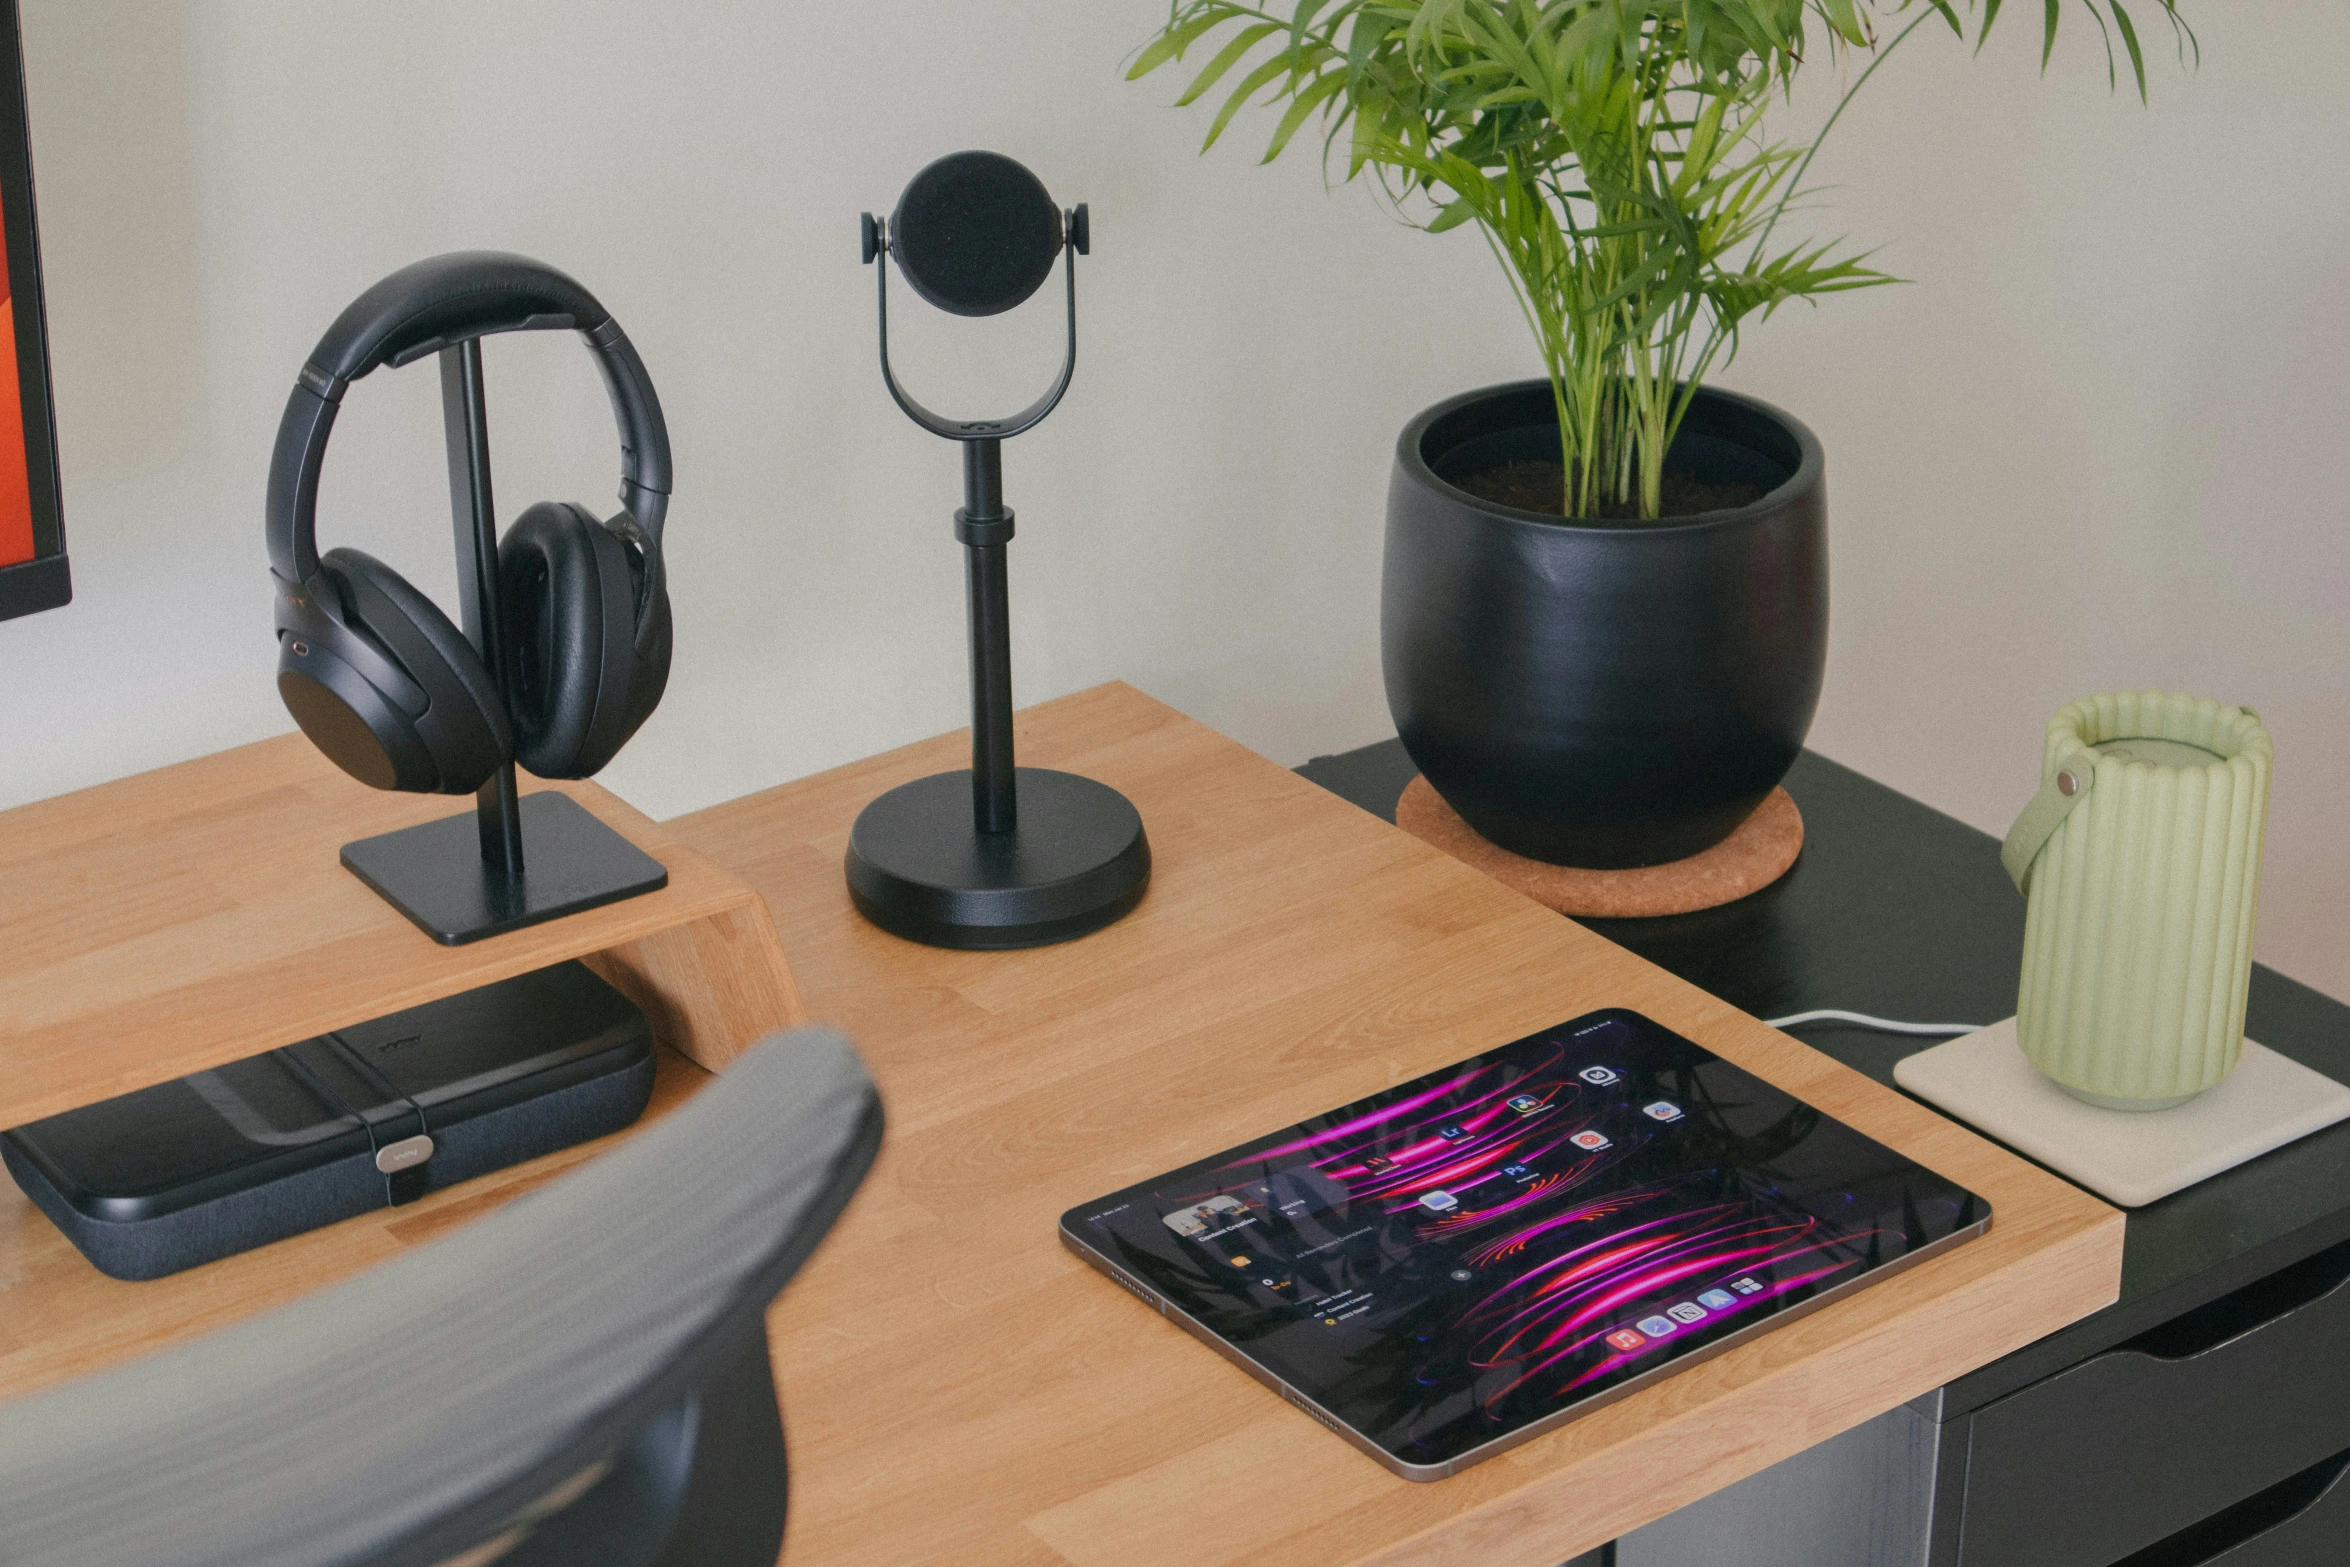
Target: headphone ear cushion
x,y
464,726
567,594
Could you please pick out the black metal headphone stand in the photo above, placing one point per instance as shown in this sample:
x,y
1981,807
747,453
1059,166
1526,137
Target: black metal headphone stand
x,y
518,859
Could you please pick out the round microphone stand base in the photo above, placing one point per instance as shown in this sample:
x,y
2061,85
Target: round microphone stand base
x,y
919,868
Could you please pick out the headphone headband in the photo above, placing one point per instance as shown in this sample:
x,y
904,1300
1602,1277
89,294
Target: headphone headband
x,y
422,309
430,304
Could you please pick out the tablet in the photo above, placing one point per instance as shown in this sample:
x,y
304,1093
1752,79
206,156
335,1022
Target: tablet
x,y
1461,1262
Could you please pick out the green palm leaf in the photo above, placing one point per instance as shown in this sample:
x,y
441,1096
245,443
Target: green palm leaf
x,y
1611,152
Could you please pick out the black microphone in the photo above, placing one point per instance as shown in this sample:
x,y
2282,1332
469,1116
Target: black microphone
x,y
999,855
975,233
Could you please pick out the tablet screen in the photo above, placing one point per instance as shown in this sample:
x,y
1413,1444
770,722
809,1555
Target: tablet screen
x,y
1469,1258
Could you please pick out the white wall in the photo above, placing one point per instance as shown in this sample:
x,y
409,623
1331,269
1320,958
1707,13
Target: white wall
x,y
2096,443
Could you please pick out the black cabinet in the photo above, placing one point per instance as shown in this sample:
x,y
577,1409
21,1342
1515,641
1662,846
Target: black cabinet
x,y
2303,1521
2204,1417
2143,1442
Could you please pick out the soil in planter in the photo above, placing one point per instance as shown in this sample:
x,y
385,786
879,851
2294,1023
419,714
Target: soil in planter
x,y
1542,487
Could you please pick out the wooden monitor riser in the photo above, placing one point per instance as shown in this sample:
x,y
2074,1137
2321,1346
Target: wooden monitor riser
x,y
198,914
183,918
957,1388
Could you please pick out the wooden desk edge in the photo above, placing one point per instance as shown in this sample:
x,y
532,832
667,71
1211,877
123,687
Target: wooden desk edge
x,y
1566,1509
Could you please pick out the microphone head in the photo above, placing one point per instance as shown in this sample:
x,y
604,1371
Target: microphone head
x,y
975,233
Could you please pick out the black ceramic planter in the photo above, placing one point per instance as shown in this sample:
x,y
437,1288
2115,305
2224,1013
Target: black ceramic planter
x,y
1604,694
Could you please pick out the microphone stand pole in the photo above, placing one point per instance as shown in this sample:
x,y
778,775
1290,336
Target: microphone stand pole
x,y
984,524
1003,856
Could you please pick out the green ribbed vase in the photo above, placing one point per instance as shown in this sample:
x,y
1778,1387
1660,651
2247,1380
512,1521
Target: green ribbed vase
x,y
2138,930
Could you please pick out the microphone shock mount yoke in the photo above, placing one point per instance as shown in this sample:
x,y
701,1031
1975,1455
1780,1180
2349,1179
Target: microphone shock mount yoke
x,y
999,856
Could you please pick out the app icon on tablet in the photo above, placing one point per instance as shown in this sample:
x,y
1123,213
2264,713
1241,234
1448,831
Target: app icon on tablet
x,y
1655,1327
1746,1286
1686,1311
1589,1142
1662,1110
1598,1076
1716,1300
1439,1201
1451,1134
1524,1104
1625,1339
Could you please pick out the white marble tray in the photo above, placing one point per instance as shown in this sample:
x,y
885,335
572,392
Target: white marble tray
x,y
2127,1157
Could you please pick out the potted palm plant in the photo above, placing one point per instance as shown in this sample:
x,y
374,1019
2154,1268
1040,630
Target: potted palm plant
x,y
1604,610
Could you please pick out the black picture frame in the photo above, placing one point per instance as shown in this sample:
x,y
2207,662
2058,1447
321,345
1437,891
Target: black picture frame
x,y
45,581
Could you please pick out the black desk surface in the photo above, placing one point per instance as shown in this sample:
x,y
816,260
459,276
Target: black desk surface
x,y
1897,910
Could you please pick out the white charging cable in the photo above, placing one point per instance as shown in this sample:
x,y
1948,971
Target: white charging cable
x,y
1862,1019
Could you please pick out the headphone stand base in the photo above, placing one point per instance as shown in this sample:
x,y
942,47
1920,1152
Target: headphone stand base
x,y
436,876
918,866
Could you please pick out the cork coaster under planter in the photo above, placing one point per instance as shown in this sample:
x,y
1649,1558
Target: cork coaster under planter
x,y
1750,859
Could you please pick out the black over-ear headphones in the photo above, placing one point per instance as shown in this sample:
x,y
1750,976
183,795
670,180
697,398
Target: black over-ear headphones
x,y
379,678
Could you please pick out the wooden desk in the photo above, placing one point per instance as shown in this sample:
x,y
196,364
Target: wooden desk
x,y
957,1388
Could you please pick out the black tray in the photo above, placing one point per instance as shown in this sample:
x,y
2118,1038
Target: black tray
x,y
193,1170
